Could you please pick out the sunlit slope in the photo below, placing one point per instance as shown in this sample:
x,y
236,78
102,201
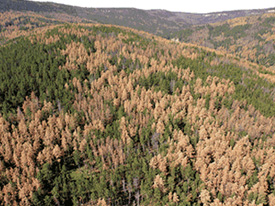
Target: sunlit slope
x,y
104,115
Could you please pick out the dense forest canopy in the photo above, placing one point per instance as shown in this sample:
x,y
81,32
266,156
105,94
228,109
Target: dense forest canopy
x,y
97,114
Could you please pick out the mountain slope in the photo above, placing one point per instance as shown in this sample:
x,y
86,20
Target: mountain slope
x,y
158,22
106,115
251,37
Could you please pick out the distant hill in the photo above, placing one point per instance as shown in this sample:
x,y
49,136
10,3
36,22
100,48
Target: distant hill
x,y
160,22
250,37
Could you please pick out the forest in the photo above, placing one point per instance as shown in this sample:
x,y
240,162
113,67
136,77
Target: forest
x,y
251,38
94,114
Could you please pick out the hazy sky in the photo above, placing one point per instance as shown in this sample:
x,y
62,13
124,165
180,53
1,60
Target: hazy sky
x,y
197,6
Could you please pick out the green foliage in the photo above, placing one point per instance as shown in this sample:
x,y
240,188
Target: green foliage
x,y
269,22
250,87
218,30
238,31
228,102
184,34
207,99
225,43
235,39
258,198
232,143
235,32
82,175
253,179
27,68
55,180
167,83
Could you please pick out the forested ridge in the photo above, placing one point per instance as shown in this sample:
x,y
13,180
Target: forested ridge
x,y
250,37
156,21
102,115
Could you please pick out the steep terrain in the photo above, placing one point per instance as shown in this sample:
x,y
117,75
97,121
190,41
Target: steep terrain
x,y
102,115
251,38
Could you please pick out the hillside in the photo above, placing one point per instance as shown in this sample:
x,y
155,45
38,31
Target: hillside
x,y
158,22
96,114
251,38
